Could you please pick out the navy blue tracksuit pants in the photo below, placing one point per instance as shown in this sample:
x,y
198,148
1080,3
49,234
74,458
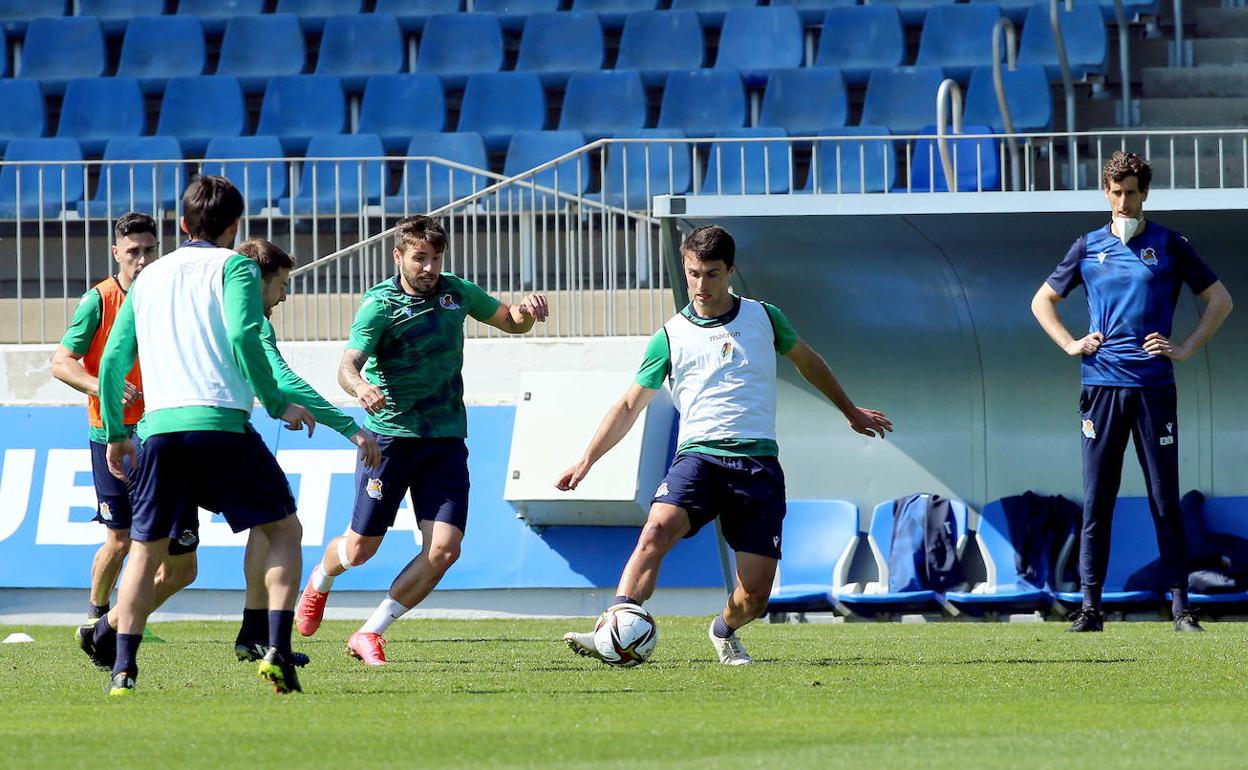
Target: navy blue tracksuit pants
x,y
1147,415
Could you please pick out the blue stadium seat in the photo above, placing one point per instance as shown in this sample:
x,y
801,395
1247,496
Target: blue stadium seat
x,y
613,13
115,15
215,14
813,11
701,102
711,12
658,43
530,149
598,104
157,48
96,110
513,13
958,38
758,41
1026,93
1134,10
866,165
857,39
557,44
357,47
977,162
914,11
52,178
456,45
256,49
766,164
1223,516
1133,545
1014,10
23,116
148,187
818,535
498,104
1083,31
262,184
412,14
1003,589
805,101
327,186
198,109
625,181
313,14
902,99
299,107
397,106
426,186
58,50
4,55
16,15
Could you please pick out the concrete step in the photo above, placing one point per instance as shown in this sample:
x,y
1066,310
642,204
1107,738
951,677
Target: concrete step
x,y
1193,82
1229,112
1220,50
1222,22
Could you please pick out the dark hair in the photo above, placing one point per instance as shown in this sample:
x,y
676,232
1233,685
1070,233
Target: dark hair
x,y
269,256
210,205
133,222
420,228
1124,164
710,243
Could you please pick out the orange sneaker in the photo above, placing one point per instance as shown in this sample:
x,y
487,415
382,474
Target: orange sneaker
x,y
310,611
368,647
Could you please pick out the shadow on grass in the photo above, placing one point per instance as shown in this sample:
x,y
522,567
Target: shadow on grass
x,y
867,662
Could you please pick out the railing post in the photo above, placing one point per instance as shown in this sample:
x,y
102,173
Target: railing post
x,y
950,88
1068,84
998,83
1124,62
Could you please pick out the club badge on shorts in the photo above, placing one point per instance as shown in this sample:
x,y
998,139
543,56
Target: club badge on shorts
x,y
1168,439
1089,430
373,488
106,513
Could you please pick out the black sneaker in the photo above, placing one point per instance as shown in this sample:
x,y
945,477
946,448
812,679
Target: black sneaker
x,y
280,670
120,686
101,656
252,651
1087,620
1186,621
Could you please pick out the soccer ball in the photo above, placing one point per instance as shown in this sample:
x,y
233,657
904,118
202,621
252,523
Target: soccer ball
x,y
626,635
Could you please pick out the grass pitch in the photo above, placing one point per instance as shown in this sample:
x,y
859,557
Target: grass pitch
x,y
495,693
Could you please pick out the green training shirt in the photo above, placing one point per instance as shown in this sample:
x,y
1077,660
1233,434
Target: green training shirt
x,y
300,392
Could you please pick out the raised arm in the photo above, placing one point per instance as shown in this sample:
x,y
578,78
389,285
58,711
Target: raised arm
x,y
815,370
1044,308
615,426
518,319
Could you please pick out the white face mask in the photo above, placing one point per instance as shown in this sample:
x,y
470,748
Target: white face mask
x,y
1127,227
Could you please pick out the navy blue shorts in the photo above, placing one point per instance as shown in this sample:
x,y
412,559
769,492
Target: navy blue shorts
x,y
435,470
112,499
746,493
233,474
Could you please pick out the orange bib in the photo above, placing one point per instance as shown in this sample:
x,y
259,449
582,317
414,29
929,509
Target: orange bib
x,y
111,297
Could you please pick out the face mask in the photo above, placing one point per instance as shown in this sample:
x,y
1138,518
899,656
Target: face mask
x,y
1127,227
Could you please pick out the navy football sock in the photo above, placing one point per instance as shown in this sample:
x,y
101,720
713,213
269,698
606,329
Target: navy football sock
x,y
280,622
97,611
255,626
127,651
721,628
624,599
1178,604
1092,598
102,629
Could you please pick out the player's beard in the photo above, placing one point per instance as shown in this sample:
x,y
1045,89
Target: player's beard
x,y
423,287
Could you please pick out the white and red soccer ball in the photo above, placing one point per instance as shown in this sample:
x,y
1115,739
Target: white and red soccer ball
x,y
625,635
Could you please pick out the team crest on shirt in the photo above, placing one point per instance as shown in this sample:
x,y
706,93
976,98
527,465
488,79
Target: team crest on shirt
x,y
725,351
447,302
106,513
373,488
1149,256
662,491
1089,429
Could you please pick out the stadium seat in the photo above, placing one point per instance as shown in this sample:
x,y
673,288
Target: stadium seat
x,y
598,104
820,537
16,15
1134,10
857,39
977,163
356,47
313,14
530,149
1223,516
913,12
958,38
58,50
115,15
1002,590
637,171
256,49
711,12
613,13
758,41
397,106
766,164
1133,544
299,107
456,45
805,101
556,45
96,110
262,184
198,109
52,179
658,43
157,48
215,14
1026,93
23,115
427,185
1083,31
412,14
498,104
813,11
902,99
1014,10
148,187
4,55
701,102
866,165
512,14
329,186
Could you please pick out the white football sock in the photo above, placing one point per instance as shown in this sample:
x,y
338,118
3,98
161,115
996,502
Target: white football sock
x,y
321,580
386,613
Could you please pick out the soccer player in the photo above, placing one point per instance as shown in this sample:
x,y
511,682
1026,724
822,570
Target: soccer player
x,y
196,318
1132,272
720,353
408,339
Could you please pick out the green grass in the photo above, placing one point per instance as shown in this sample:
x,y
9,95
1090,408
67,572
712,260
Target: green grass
x,y
508,693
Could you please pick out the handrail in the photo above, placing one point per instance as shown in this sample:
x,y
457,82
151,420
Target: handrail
x,y
998,83
1124,61
1180,56
1068,83
948,87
